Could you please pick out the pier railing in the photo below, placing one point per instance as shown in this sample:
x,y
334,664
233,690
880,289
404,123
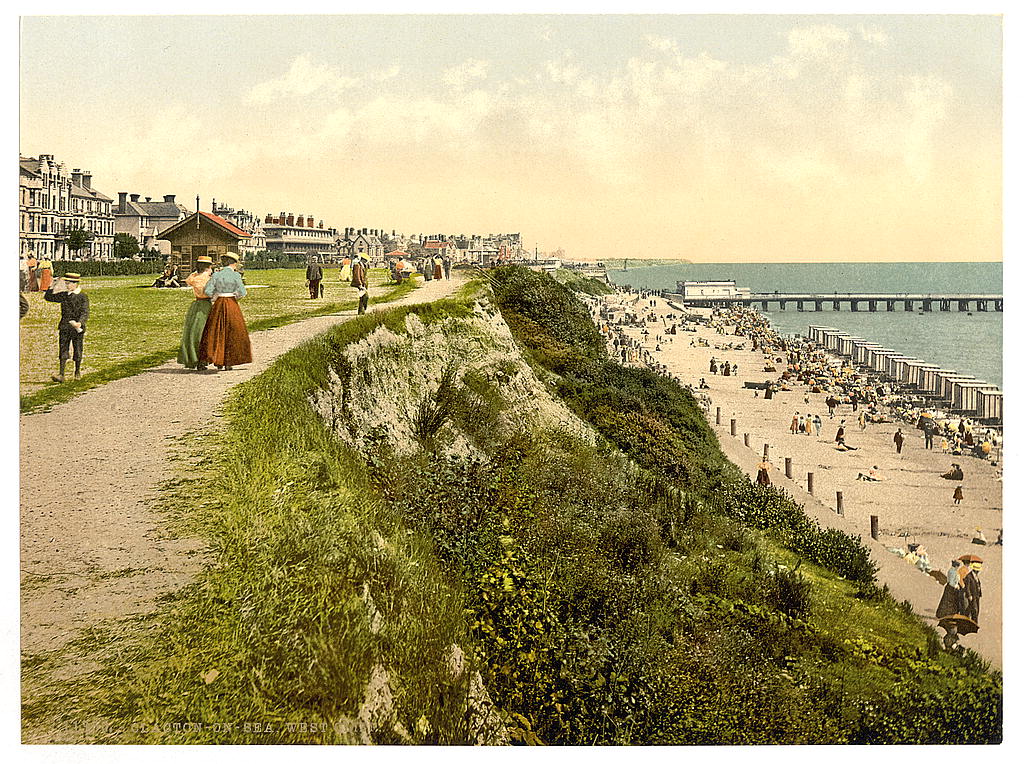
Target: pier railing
x,y
872,302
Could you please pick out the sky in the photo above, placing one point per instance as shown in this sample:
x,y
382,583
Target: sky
x,y
715,138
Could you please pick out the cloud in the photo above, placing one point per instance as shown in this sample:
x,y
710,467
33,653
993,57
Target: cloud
x,y
469,70
302,79
874,36
386,74
563,70
545,33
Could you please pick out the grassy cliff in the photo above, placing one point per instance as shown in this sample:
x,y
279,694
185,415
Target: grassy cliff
x,y
460,522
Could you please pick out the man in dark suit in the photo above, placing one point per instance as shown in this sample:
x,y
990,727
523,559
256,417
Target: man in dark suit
x,y
314,274
74,312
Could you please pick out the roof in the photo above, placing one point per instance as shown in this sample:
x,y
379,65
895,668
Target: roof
x,y
217,221
397,253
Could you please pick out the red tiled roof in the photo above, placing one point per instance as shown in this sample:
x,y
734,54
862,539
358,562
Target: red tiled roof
x,y
225,224
397,253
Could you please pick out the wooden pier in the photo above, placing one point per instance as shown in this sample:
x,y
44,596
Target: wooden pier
x,y
928,303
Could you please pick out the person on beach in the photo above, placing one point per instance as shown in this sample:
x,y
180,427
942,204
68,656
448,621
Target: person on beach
x,y
713,368
74,312
225,342
817,426
832,404
958,495
929,433
195,317
862,421
314,275
872,475
953,473
898,440
972,592
794,426
841,431
360,282
808,424
762,473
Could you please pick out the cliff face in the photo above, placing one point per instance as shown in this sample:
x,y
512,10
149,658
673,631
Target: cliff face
x,y
456,381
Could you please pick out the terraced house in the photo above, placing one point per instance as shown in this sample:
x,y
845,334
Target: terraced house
x,y
147,220
53,202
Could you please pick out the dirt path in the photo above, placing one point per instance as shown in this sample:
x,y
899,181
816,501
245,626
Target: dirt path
x,y
93,552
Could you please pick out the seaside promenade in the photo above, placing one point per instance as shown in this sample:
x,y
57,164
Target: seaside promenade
x,y
912,502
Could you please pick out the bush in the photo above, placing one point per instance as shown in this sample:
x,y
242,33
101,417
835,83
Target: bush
x,y
112,268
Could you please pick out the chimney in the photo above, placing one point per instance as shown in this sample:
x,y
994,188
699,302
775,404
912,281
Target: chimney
x,y
310,223
87,178
169,198
149,199
291,219
269,218
301,221
135,197
122,198
321,224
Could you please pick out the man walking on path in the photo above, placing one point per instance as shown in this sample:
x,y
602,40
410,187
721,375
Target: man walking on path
x,y
74,312
359,281
898,440
314,274
972,592
225,341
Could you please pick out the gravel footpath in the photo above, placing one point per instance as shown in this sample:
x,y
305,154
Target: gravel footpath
x,y
93,548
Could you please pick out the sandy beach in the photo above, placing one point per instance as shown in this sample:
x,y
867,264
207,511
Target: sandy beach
x,y
913,504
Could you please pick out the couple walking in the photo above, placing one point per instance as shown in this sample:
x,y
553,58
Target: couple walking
x,y
215,331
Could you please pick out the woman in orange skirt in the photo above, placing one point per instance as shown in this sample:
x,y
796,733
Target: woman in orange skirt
x,y
225,341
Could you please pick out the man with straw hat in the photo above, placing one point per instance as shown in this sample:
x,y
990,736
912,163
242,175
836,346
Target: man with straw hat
x,y
74,312
225,342
195,318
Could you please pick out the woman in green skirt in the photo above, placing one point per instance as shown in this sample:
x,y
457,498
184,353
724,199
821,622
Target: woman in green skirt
x,y
195,318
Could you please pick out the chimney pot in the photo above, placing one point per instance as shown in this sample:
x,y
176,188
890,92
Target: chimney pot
x,y
169,198
135,197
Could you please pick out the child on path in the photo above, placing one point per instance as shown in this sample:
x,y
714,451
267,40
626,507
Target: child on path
x,y
958,495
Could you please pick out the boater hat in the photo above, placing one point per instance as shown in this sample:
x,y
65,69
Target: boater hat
x,y
75,277
204,259
231,256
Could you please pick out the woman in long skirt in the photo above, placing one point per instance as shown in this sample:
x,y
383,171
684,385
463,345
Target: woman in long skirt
x,y
225,341
195,318
45,274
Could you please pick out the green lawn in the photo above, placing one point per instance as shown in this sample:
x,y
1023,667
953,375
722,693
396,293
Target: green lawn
x,y
132,326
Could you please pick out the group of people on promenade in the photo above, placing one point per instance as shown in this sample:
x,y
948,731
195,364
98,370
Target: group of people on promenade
x,y
353,270
215,332
34,275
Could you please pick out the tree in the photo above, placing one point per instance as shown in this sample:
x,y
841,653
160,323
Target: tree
x,y
125,245
76,239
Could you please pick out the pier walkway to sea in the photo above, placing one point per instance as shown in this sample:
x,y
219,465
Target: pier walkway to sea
x,y
874,301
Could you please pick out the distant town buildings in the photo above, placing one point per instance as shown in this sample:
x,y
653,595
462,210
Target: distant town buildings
x,y
289,237
147,220
246,221
52,203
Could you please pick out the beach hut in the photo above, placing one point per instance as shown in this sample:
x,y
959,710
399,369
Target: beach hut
x,y
914,372
846,345
946,394
877,357
202,234
965,395
893,366
860,351
990,406
932,384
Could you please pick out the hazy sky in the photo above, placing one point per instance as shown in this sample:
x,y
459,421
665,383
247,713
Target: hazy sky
x,y
715,138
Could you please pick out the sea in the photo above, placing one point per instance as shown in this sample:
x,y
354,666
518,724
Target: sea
x,y
971,343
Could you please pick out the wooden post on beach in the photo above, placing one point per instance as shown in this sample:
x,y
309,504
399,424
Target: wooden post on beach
x,y
718,414
874,527
839,502
810,483
746,439
732,427
765,450
789,468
